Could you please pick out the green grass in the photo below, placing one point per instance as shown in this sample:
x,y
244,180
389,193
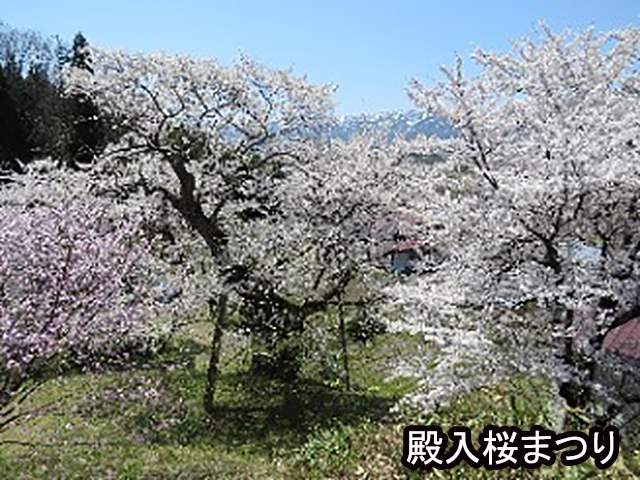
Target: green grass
x,y
148,421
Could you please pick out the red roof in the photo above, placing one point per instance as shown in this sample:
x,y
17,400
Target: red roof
x,y
624,340
408,245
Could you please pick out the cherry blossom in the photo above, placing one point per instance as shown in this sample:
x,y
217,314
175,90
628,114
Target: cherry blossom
x,y
537,207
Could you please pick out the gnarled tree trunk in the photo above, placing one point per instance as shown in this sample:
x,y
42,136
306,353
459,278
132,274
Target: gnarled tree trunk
x,y
217,312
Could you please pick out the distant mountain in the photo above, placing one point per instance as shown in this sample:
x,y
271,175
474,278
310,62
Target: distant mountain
x,y
406,124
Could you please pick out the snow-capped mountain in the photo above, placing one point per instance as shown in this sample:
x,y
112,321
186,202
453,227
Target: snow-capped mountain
x,y
406,124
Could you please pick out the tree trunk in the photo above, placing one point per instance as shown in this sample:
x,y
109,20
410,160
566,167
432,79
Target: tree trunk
x,y
217,310
577,392
345,352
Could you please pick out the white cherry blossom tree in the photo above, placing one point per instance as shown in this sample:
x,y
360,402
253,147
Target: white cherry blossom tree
x,y
320,243
236,152
538,207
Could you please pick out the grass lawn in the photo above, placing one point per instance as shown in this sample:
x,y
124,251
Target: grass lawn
x,y
147,422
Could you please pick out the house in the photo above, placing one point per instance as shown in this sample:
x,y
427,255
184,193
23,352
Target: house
x,y
414,256
399,243
395,240
405,256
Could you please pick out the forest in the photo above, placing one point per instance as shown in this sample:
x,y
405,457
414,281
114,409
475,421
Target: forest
x,y
198,279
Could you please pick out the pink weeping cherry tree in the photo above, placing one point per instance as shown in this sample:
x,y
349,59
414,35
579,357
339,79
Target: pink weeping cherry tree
x,y
72,283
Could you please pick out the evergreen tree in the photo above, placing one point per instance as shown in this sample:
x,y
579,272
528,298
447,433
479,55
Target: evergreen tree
x,y
80,56
36,120
13,133
31,107
88,131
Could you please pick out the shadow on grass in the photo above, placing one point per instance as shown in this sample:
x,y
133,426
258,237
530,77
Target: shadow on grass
x,y
158,400
280,416
252,413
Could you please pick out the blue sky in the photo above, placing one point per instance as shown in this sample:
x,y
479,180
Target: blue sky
x,y
369,49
